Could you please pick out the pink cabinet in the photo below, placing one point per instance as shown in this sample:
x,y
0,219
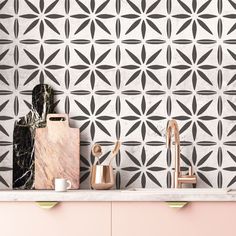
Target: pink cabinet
x,y
118,219
66,219
158,219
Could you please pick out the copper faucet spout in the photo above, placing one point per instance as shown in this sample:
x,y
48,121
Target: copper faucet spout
x,y
172,127
168,137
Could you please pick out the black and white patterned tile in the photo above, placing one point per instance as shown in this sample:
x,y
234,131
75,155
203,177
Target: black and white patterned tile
x,y
121,69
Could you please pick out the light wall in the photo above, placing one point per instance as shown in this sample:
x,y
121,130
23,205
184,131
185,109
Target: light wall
x,y
122,69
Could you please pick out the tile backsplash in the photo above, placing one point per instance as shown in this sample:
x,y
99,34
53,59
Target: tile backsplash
x,y
121,69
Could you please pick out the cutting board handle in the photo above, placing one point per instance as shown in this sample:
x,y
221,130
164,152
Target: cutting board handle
x,y
55,119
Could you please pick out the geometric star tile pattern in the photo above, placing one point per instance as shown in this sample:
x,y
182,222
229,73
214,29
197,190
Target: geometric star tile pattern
x,y
121,70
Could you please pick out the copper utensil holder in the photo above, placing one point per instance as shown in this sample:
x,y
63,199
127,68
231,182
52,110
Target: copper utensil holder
x,y
102,177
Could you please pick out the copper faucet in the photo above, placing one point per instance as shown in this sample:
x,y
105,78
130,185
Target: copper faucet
x,y
179,179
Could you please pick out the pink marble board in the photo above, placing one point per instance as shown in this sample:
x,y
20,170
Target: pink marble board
x,y
57,152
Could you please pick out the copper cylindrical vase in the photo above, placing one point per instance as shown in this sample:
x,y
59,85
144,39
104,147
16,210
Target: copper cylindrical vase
x,y
102,177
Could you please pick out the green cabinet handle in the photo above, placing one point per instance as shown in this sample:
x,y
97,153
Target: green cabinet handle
x,y
47,205
177,204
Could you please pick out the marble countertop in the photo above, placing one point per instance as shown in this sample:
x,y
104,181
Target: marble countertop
x,y
161,195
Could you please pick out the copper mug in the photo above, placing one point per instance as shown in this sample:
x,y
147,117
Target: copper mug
x,y
102,177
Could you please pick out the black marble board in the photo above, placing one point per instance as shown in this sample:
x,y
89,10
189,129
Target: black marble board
x,y
23,136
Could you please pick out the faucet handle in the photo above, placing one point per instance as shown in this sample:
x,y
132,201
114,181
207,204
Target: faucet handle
x,y
190,170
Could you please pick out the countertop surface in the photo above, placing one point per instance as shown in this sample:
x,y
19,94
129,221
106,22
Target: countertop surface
x,y
119,195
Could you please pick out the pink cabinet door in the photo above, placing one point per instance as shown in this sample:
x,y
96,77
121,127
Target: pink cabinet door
x,y
158,219
65,219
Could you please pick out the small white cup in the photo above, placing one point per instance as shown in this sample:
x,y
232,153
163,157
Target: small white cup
x,y
61,185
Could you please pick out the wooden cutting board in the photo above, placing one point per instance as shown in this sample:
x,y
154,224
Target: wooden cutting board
x,y
57,152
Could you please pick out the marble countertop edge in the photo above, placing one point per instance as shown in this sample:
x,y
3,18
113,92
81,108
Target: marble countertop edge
x,y
166,195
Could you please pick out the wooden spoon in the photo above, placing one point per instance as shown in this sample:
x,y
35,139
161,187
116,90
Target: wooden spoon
x,y
97,151
115,150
